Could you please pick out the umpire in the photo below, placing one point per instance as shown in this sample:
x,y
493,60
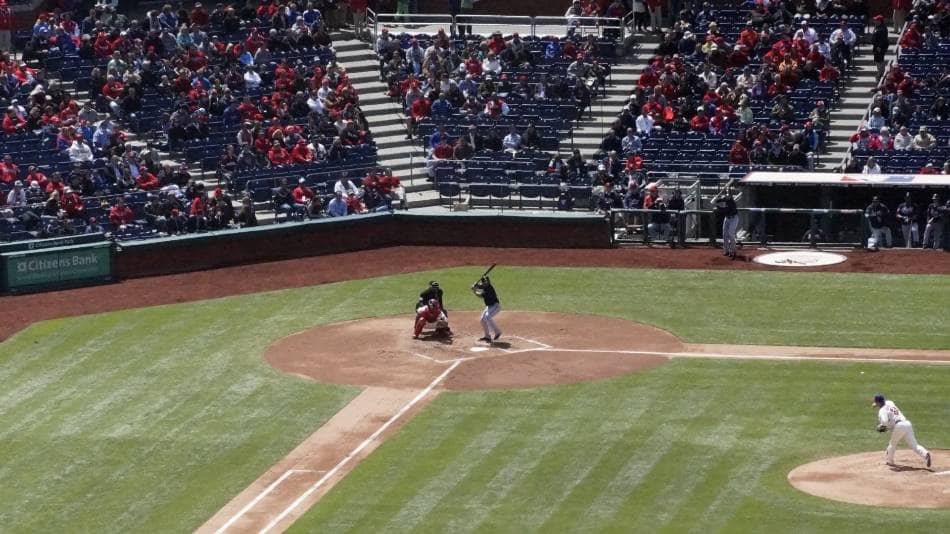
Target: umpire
x,y
432,292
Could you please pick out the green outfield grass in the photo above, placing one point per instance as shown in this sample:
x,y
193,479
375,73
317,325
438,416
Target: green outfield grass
x,y
152,419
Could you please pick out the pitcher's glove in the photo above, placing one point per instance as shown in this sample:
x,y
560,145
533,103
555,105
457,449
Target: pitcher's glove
x,y
881,428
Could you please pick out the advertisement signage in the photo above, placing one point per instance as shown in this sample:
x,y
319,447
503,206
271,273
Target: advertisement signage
x,y
39,269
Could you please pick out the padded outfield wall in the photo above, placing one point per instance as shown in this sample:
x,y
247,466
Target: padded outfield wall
x,y
330,236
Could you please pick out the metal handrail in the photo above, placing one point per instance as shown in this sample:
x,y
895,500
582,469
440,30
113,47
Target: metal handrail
x,y
497,20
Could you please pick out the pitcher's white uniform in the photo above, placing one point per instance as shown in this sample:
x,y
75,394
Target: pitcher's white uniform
x,y
891,417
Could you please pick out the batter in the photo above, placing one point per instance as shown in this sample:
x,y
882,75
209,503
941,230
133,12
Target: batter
x,y
484,289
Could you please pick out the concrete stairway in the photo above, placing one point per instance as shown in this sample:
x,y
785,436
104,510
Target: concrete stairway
x,y
851,111
386,121
589,132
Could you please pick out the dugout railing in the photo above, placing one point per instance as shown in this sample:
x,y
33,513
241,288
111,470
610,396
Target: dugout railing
x,y
765,227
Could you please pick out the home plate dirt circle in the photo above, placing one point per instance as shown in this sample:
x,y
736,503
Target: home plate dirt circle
x,y
864,478
536,349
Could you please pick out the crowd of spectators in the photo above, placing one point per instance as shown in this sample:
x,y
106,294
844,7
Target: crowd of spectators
x,y
906,129
265,70
729,96
489,91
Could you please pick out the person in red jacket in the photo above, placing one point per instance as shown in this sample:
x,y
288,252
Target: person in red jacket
x,y
199,15
198,212
33,174
420,109
699,122
738,155
8,170
147,181
278,155
912,38
13,124
72,204
120,214
301,153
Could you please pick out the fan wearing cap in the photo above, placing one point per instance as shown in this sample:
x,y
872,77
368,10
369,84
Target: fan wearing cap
x,y
891,419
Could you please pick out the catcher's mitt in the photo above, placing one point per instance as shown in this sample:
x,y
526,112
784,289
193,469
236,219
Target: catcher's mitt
x,y
881,428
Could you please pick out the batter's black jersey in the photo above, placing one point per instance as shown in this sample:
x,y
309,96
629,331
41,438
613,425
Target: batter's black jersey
x,y
488,294
727,206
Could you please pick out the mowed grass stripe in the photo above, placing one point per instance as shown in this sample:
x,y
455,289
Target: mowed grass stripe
x,y
445,447
523,413
681,459
69,358
341,511
565,465
489,430
556,412
617,445
144,446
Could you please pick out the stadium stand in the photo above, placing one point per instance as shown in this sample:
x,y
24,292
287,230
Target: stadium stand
x,y
252,94
907,127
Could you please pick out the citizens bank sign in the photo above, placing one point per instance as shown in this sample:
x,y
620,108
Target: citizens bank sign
x,y
40,264
53,267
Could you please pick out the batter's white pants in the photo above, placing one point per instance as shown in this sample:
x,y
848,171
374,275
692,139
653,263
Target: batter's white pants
x,y
904,431
488,325
729,227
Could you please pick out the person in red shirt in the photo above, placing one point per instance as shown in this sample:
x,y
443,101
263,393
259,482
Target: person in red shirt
x,y
649,77
443,150
828,73
34,174
147,181
72,203
13,124
302,193
420,109
198,212
8,170
56,184
738,155
496,43
121,214
301,153
699,122
928,169
912,38
278,155
102,46
199,15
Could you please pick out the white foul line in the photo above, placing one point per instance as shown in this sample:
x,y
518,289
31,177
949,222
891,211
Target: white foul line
x,y
259,497
735,356
329,474
939,473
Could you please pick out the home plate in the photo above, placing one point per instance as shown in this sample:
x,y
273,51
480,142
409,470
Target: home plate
x,y
478,349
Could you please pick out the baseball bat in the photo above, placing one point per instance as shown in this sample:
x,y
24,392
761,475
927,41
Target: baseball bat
x,y
484,275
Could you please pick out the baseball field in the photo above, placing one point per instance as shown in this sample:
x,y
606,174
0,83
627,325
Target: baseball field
x,y
153,419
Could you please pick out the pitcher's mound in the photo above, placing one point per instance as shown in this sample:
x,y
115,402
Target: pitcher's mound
x,y
865,479
536,349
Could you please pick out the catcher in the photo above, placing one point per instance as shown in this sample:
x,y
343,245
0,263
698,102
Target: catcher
x,y
429,314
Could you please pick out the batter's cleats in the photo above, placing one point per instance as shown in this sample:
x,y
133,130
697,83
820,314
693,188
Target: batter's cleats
x,y
497,335
928,459
485,339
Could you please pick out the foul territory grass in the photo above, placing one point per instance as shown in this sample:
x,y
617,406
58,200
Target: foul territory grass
x,y
150,420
